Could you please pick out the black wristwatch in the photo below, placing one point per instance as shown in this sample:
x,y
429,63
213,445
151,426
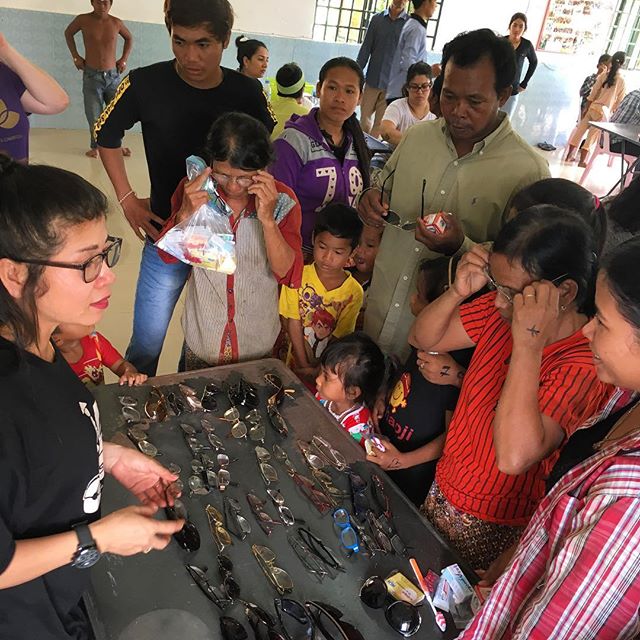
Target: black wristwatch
x,y
87,553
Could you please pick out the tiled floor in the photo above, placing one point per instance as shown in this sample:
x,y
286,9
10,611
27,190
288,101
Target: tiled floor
x,y
66,149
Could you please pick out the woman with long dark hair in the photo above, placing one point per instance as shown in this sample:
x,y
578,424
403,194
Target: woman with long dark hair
x,y
606,95
55,267
323,155
524,50
252,57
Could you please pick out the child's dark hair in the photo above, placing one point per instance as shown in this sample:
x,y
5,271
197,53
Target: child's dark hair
x,y
217,15
240,140
359,362
623,209
352,124
433,276
247,48
565,194
341,221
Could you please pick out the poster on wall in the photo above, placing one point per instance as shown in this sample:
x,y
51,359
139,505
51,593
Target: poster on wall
x,y
576,25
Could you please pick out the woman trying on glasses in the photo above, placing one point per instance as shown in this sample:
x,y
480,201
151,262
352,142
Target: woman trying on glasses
x,y
531,381
230,318
412,108
55,268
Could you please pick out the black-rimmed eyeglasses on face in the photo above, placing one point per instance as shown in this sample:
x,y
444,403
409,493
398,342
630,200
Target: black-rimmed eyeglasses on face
x,y
90,268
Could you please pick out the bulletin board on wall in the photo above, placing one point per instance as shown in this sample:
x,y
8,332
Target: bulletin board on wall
x,y
572,26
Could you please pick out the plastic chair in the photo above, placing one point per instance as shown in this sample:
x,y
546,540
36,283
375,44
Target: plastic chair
x,y
604,147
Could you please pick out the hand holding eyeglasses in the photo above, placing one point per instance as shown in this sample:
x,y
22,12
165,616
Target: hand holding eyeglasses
x,y
471,274
372,209
264,189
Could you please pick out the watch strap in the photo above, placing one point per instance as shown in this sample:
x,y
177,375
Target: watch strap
x,y
85,539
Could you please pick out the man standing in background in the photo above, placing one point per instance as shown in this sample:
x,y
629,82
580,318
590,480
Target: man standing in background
x,y
378,49
100,69
412,46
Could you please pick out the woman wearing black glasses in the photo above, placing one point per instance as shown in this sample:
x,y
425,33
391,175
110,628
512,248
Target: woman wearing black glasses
x,y
412,108
55,260
531,382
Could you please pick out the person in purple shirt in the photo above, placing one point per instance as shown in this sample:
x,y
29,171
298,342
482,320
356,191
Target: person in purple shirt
x,y
323,156
24,89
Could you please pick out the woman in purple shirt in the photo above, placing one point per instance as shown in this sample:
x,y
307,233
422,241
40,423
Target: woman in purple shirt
x,y
24,89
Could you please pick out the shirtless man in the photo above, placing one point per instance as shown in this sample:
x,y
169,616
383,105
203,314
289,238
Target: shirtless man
x,y
101,70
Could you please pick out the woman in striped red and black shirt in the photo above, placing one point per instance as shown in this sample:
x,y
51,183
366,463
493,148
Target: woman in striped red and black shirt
x,y
530,384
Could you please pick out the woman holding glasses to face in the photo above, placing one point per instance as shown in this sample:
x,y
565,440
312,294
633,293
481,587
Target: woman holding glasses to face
x,y
412,108
531,381
55,267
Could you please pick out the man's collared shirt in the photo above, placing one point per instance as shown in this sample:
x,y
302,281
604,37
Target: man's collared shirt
x,y
379,47
477,187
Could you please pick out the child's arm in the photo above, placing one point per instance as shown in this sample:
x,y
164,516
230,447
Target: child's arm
x,y
392,459
296,335
127,373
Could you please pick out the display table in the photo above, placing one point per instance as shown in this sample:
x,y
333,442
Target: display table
x,y
153,597
626,134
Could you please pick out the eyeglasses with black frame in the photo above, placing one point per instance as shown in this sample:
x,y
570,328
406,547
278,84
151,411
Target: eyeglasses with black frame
x,y
90,268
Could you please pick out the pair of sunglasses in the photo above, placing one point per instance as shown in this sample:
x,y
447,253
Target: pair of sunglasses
x,y
208,398
402,617
155,408
313,620
199,576
262,623
277,576
188,537
359,500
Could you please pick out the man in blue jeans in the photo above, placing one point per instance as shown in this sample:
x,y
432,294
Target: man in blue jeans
x,y
100,69
176,101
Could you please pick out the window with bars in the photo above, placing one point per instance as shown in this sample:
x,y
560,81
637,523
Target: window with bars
x,y
347,20
624,34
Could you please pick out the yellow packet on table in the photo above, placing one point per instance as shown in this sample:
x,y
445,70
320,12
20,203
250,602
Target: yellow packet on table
x,y
401,588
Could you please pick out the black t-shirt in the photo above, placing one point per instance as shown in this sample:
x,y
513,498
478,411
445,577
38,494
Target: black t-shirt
x,y
580,445
414,416
51,478
175,119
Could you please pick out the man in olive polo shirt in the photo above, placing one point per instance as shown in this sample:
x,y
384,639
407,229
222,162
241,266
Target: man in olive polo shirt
x,y
469,163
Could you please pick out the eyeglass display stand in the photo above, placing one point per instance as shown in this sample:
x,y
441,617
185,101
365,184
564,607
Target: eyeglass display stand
x,y
152,597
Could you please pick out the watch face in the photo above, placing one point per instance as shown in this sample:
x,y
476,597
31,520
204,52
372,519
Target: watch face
x,y
86,558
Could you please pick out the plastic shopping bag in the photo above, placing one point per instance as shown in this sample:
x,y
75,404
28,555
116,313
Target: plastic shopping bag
x,y
205,239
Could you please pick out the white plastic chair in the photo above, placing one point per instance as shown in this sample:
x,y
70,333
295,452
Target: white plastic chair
x,y
604,147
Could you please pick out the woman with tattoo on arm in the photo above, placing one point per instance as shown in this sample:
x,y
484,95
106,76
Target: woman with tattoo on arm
x,y
531,381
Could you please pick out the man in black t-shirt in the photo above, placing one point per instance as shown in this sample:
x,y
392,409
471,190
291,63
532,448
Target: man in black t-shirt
x,y
175,102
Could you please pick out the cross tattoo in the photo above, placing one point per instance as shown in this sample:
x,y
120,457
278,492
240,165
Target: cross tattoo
x,y
445,370
533,331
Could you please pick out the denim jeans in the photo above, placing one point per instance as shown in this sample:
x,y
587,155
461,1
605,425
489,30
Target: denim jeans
x,y
158,289
98,89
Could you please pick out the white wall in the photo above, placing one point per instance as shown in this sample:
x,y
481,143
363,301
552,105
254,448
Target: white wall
x,y
253,16
465,15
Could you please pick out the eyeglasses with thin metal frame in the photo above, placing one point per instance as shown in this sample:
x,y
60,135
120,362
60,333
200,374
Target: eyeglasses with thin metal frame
x,y
278,577
507,293
90,268
223,179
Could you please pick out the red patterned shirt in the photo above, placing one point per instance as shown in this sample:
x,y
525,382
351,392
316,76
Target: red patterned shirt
x,y
576,572
96,352
356,421
569,394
